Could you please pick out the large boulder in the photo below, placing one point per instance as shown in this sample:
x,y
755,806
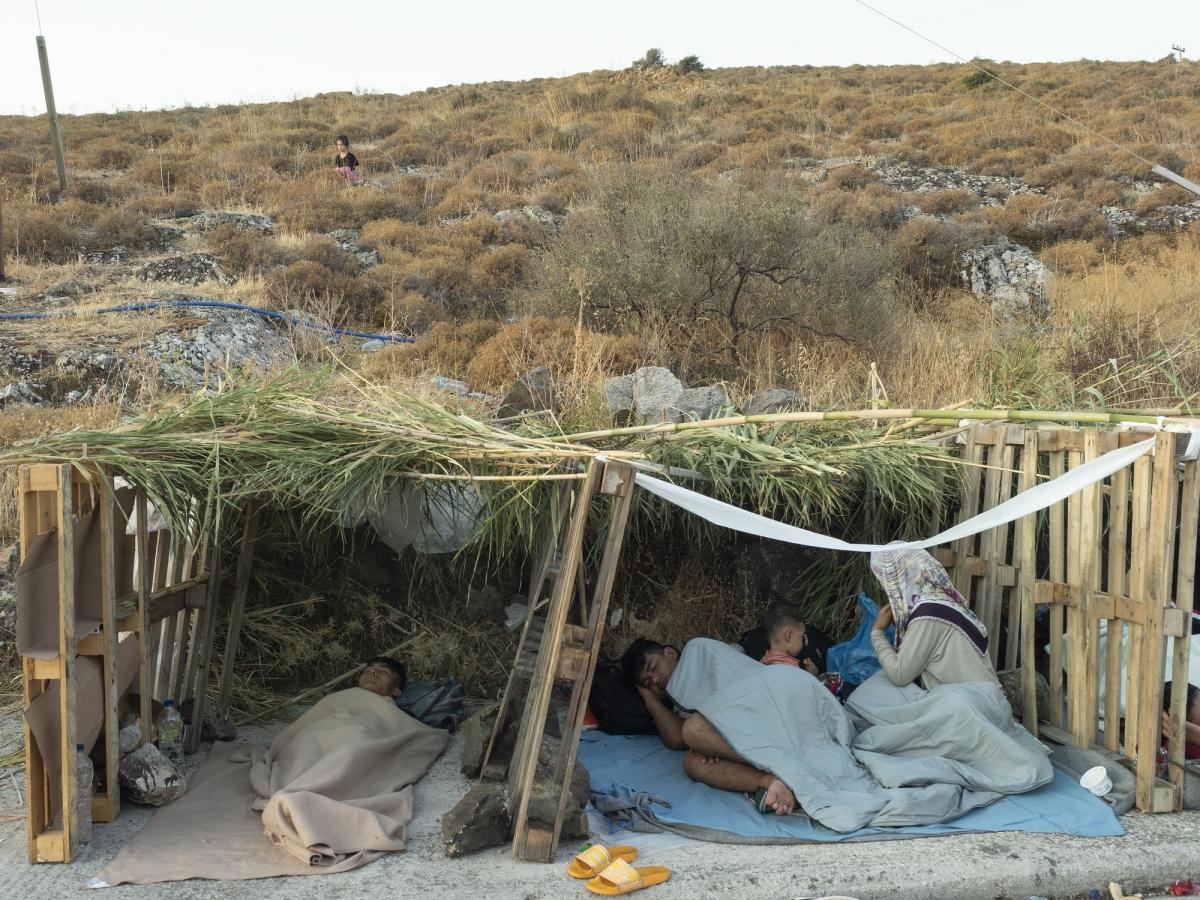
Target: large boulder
x,y
237,340
655,393
476,732
533,390
701,402
149,778
208,219
188,268
1009,279
1010,683
544,796
775,400
479,820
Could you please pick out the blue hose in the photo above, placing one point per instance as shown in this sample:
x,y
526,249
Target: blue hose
x,y
212,304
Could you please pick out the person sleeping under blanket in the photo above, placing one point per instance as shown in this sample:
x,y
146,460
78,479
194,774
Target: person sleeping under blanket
x,y
338,780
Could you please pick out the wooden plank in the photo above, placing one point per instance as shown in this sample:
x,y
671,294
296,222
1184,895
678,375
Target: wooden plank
x,y
192,621
144,573
1157,585
605,578
205,632
166,629
111,799
529,739
241,587
1185,586
1139,524
1088,697
37,811
51,846
1058,572
67,687
963,548
1117,584
560,501
1001,575
1025,559
987,605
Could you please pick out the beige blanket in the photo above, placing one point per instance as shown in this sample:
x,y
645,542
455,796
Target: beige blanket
x,y
335,789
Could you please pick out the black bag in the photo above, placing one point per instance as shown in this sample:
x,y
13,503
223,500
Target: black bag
x,y
617,706
439,703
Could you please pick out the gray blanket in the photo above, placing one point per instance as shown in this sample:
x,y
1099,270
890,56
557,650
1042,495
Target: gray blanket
x,y
905,756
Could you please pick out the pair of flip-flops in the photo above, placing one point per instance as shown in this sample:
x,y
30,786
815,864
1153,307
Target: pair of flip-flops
x,y
608,870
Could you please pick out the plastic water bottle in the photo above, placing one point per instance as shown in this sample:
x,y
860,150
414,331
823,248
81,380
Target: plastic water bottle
x,y
170,733
83,797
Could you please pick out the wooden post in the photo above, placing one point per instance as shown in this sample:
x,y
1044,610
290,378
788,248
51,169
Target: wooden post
x,y
1157,578
60,161
1185,586
143,618
1058,572
241,586
66,658
1025,557
108,599
2,275
202,641
1118,578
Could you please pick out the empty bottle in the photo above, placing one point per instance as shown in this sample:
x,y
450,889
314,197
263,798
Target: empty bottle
x,y
170,733
83,797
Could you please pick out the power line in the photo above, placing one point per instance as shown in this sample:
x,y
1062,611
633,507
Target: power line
x,y
38,12
1008,84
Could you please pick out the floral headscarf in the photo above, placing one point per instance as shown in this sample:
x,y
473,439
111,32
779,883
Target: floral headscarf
x,y
918,587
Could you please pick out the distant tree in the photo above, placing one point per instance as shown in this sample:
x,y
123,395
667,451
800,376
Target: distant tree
x,y
696,261
689,64
981,76
653,59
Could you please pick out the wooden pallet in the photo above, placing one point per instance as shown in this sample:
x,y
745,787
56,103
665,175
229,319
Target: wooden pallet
x,y
171,586
567,654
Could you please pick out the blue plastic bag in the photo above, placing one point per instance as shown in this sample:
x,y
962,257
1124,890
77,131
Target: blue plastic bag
x,y
855,659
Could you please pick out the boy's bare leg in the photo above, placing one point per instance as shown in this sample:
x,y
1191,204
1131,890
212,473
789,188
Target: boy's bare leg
x,y
728,775
699,735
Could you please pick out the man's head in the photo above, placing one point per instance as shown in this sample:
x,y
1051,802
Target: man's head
x,y
649,664
1192,709
384,676
784,628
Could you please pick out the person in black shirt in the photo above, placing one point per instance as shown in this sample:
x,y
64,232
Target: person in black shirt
x,y
346,162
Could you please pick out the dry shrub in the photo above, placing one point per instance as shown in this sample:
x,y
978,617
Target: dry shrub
x,y
410,312
90,190
168,171
121,228
849,178
16,164
445,349
1163,195
108,153
1040,220
945,203
929,251
328,253
495,272
576,356
246,252
1073,257
306,282
695,156
393,233
42,234
876,207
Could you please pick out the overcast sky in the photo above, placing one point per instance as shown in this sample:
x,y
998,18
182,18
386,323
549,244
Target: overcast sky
x,y
144,54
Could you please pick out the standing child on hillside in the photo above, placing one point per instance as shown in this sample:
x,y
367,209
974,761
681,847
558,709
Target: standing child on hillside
x,y
345,163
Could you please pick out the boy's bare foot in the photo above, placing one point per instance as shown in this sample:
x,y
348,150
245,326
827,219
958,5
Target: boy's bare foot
x,y
780,797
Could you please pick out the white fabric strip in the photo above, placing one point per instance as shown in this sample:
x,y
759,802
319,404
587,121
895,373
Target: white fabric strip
x,y
1043,495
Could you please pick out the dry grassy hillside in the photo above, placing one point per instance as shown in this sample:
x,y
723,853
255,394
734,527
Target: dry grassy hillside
x,y
787,227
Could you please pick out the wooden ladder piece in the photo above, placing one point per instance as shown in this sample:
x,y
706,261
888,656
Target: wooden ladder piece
x,y
567,655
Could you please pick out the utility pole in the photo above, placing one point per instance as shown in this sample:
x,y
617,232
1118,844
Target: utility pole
x,y
1179,50
2,275
55,137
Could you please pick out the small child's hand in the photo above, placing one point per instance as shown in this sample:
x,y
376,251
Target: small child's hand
x,y
810,667
884,619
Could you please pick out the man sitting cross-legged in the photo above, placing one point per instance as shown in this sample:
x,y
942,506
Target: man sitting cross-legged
x,y
648,666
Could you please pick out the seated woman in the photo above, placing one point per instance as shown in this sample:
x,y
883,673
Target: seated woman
x,y
938,639
346,163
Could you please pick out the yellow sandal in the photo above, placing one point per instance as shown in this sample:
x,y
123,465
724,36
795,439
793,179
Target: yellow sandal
x,y
622,878
596,858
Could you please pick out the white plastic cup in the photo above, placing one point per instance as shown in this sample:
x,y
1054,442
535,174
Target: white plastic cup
x,y
1096,780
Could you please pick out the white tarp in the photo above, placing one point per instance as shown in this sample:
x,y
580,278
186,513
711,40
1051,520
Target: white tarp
x,y
1043,495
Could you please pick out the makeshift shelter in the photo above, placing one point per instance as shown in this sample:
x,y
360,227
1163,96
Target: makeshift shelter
x,y
1096,524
